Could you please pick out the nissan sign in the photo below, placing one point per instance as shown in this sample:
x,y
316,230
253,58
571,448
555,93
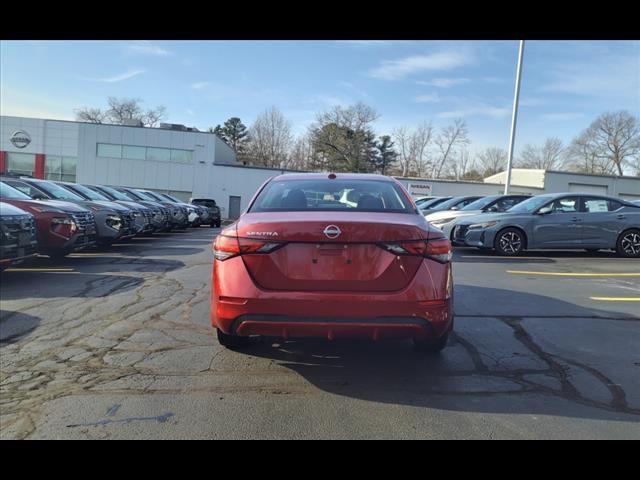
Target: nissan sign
x,y
20,139
418,189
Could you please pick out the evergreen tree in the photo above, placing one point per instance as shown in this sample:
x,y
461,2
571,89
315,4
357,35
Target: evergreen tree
x,y
386,155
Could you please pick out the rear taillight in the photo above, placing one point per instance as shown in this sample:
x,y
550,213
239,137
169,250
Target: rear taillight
x,y
438,249
226,246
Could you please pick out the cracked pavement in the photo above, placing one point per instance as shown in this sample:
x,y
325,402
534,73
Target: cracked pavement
x,y
116,343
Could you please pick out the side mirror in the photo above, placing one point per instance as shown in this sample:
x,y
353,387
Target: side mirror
x,y
455,208
545,211
38,196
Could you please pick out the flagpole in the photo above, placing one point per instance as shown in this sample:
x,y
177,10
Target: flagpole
x,y
514,117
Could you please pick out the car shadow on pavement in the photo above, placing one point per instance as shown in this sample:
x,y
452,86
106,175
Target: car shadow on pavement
x,y
517,377
16,325
473,255
28,285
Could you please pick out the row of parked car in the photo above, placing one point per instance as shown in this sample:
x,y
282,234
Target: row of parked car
x,y
511,224
56,218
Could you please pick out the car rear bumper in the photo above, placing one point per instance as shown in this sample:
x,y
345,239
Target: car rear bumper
x,y
240,307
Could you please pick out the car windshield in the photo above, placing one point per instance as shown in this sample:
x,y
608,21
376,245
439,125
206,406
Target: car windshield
x,y
58,192
115,193
450,203
173,199
530,204
90,194
7,191
481,203
433,202
149,196
325,195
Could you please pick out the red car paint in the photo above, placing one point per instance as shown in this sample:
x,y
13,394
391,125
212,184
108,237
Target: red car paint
x,y
285,277
53,239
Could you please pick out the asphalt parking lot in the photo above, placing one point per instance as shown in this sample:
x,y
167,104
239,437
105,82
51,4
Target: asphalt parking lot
x,y
116,343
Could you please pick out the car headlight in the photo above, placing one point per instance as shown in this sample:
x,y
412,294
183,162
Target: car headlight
x,y
114,221
58,221
480,226
442,221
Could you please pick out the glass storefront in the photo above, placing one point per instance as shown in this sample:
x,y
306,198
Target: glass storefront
x,y
21,163
60,168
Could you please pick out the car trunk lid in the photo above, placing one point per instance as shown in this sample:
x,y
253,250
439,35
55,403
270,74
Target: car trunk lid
x,y
332,251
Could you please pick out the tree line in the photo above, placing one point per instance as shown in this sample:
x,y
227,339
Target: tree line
x,y
343,139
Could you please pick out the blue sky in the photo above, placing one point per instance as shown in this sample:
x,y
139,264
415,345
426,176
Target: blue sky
x,y
565,84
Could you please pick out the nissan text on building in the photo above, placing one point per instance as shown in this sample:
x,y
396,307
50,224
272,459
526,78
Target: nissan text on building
x,y
189,163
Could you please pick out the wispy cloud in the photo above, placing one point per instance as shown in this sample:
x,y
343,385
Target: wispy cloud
x,y
190,112
400,68
443,82
428,98
117,78
478,109
147,48
605,75
561,116
200,85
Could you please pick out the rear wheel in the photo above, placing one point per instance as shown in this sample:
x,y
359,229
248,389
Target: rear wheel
x,y
509,242
628,244
431,345
231,341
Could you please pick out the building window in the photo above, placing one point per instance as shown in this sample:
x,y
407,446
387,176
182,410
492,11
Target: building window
x,y
60,168
181,156
21,163
155,154
134,153
109,150
159,154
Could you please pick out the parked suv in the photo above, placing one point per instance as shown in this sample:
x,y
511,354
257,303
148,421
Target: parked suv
x,y
179,215
214,210
108,217
194,213
150,224
18,240
128,229
62,227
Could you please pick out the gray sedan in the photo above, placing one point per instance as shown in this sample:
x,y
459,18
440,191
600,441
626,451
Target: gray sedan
x,y
557,221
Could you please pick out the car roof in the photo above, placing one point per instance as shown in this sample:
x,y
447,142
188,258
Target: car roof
x,y
338,176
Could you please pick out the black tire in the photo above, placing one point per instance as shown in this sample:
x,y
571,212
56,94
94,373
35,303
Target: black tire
x,y
431,345
231,341
510,242
628,244
212,225
217,224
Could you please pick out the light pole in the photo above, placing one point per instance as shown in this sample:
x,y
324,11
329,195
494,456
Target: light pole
x,y
514,117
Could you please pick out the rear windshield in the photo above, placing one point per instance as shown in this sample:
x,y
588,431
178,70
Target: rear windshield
x,y
328,195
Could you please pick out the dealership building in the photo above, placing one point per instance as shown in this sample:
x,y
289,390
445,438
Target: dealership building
x,y
192,164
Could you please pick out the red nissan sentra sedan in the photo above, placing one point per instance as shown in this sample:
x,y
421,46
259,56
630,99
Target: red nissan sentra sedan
x,y
334,256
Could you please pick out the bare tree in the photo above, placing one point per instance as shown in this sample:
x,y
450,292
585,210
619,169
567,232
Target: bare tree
x,y
90,115
121,110
413,149
461,164
449,140
614,138
270,139
550,156
301,156
491,161
585,156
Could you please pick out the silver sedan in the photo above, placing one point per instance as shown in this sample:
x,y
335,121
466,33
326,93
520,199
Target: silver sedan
x,y
557,221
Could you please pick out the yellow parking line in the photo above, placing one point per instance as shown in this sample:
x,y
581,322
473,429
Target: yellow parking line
x,y
562,274
39,270
616,299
